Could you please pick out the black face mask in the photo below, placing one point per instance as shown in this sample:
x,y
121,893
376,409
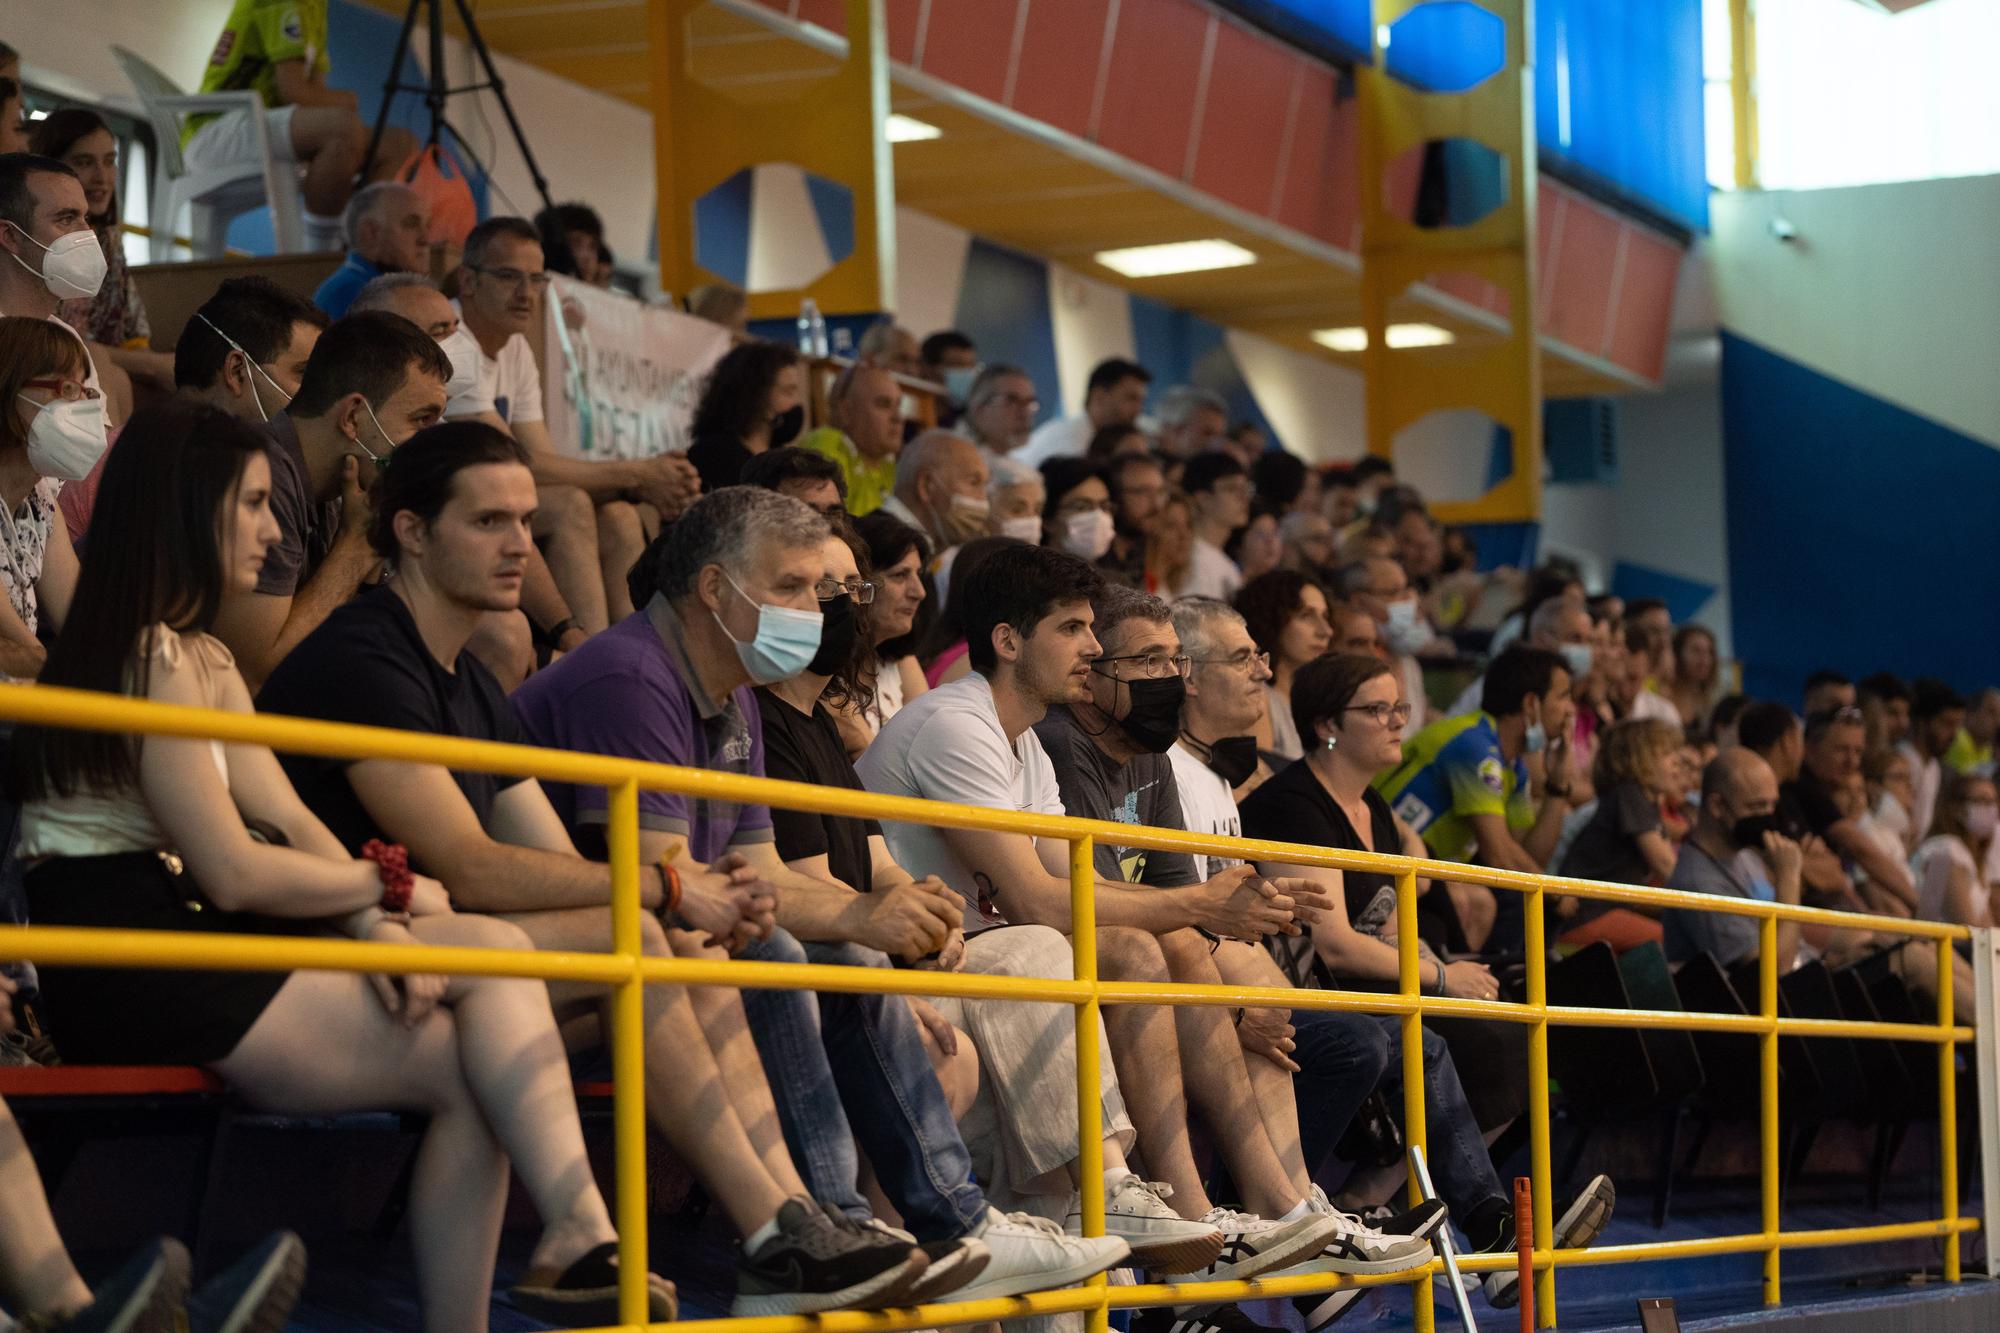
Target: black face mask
x,y
1749,831
838,630
1154,717
785,426
1233,759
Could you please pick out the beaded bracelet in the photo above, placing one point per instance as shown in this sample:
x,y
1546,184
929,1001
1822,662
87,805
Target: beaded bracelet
x,y
392,863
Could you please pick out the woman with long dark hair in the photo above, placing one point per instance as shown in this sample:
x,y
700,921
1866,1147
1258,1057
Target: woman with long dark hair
x,y
1286,614
165,833
755,401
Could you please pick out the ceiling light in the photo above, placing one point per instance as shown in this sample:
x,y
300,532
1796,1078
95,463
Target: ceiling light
x,y
1154,261
908,129
1354,339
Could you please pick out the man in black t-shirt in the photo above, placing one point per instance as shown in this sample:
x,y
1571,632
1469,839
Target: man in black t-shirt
x,y
1833,746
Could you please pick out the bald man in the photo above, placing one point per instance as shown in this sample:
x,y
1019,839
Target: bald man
x,y
941,489
863,434
1739,804
388,231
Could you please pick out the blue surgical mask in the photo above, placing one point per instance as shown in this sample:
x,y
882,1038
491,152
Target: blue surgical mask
x,y
1577,655
958,382
1537,738
785,644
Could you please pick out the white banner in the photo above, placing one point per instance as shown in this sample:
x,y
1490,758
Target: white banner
x,y
626,383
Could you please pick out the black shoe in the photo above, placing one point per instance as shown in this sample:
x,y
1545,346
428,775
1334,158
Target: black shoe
x,y
815,1264
1581,1223
147,1295
254,1294
1198,1319
1422,1221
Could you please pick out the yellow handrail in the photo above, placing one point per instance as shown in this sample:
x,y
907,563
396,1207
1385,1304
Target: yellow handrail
x,y
628,970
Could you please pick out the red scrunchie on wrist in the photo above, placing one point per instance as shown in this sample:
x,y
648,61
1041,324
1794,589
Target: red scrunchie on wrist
x,y
392,862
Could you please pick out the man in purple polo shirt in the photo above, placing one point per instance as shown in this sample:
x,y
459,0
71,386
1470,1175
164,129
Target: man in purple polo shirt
x,y
735,603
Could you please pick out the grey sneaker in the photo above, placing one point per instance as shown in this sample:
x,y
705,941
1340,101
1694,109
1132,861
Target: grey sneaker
x,y
256,1293
1252,1245
815,1264
1581,1223
1161,1239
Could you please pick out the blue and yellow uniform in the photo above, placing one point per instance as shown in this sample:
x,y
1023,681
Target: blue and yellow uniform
x,y
257,37
1451,771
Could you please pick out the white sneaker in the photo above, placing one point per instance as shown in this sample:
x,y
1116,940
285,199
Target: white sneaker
x,y
1252,1245
1161,1239
1355,1248
953,1263
1031,1253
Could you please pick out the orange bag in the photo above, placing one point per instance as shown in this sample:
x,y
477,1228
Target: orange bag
x,y
438,176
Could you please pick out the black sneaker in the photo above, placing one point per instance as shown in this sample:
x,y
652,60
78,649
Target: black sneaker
x,y
1197,1319
1421,1222
147,1295
256,1293
816,1264
1581,1223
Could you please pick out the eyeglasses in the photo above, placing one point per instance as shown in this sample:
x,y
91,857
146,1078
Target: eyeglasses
x,y
1384,714
514,277
1153,666
1017,401
1238,660
68,390
862,591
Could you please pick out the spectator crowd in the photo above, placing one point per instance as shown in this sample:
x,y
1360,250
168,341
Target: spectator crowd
x,y
352,509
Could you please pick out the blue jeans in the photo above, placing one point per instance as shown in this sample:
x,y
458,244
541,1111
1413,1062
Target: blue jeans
x,y
1340,1059
1461,1168
827,1055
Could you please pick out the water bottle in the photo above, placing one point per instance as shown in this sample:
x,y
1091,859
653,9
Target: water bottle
x,y
812,329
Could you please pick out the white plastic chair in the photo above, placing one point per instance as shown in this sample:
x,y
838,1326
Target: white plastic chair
x,y
216,196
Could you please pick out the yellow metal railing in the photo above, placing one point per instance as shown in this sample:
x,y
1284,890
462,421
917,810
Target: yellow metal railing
x,y
627,970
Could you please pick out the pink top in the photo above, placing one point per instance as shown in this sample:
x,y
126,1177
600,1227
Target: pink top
x,y
934,673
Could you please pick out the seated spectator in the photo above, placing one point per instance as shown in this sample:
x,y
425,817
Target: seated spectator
x,y
1654,639
755,400
1739,812
1026,1123
1625,839
1247,441
1115,394
590,526
13,125
1697,679
1379,586
1773,733
114,320
1029,620
1194,421
941,647
1937,715
810,478
1723,719
1552,580
720,303
1354,631
1833,743
41,383
1635,692
1306,542
453,522
1351,707
1892,794
53,256
1287,616
1121,439
1219,490
863,434
1000,410
1827,692
373,381
941,490
1227,695
280,53
1338,499
1284,482
1138,493
1254,547
1957,867
573,242
480,1056
1169,548
1014,497
889,346
419,300
1463,785
951,359
893,677
1971,751
388,228
1076,509
1561,625
1885,705
246,348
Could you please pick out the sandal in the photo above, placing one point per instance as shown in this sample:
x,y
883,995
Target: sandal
x,y
585,1295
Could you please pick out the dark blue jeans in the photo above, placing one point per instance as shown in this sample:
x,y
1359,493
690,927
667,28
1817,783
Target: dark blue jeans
x,y
1340,1059
847,1069
1461,1168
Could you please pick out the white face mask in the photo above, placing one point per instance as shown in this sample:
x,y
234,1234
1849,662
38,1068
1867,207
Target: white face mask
x,y
380,460
66,438
1025,527
462,350
1981,819
73,268
1088,534
1407,630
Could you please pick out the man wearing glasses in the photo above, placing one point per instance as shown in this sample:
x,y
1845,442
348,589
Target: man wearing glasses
x,y
593,521
1000,410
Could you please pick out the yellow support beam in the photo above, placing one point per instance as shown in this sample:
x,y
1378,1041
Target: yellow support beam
x,y
1743,90
1770,1143
1503,379
628,1054
1416,1128
1089,1107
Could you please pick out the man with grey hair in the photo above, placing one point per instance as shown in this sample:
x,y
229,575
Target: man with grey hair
x,y
1000,410
941,489
1015,497
1215,759
1191,420
1561,625
863,434
892,347
388,231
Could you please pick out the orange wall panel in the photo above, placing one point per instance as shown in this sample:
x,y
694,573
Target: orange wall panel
x,y
1645,303
967,43
828,14
901,19
1581,284
1243,118
1060,54
1152,82
1318,190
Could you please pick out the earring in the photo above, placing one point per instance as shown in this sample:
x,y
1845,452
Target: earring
x,y
1332,741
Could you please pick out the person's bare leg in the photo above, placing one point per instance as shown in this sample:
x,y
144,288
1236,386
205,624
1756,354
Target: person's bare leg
x,y
1146,1053
1241,964
1218,1083
35,1271
687,1097
566,529
396,148
329,141
620,541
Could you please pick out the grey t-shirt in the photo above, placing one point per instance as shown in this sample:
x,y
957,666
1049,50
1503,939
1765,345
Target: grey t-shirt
x,y
1730,938
1140,792
306,525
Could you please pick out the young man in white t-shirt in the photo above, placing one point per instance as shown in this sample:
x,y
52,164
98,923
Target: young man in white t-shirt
x,y
1219,490
1028,630
594,515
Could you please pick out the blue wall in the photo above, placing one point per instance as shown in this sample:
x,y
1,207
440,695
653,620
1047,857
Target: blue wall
x,y
1862,537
